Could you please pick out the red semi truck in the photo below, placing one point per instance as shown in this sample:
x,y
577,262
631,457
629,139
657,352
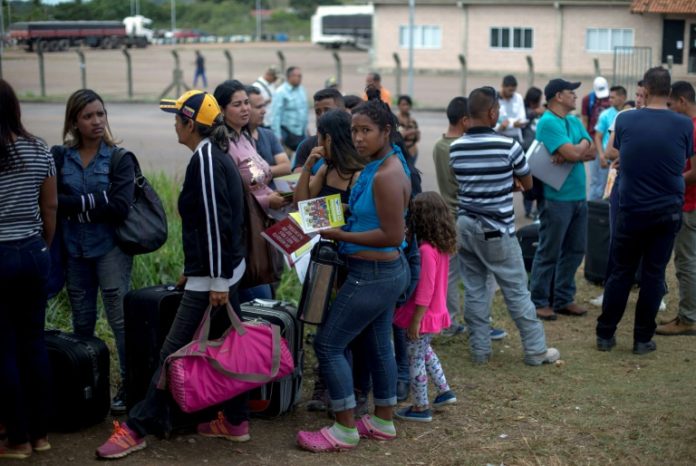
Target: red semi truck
x,y
54,36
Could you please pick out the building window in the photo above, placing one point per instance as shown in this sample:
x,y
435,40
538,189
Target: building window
x,y
512,38
424,37
604,39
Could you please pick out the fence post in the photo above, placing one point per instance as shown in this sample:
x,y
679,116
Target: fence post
x,y
397,60
42,72
597,70
462,77
129,72
83,68
177,78
530,71
230,64
670,63
339,69
281,58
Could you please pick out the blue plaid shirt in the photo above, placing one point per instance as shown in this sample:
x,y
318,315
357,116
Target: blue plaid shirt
x,y
289,110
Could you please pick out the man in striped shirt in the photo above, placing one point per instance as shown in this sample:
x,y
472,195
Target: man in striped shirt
x,y
488,167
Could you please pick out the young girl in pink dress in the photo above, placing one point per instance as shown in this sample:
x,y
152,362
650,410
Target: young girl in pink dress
x,y
425,313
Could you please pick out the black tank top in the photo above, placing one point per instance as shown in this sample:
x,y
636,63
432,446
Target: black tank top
x,y
327,190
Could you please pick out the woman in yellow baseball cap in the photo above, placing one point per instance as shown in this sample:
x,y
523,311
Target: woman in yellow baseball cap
x,y
211,206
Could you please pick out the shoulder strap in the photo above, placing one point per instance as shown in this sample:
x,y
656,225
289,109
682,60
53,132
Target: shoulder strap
x,y
118,154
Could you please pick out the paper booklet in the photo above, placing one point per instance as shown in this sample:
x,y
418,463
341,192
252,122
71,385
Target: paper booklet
x,y
289,239
320,213
285,185
542,167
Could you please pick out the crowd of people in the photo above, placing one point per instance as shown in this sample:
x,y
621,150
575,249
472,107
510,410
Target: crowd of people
x,y
406,252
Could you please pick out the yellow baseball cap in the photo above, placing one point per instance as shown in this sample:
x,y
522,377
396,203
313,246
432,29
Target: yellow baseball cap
x,y
199,106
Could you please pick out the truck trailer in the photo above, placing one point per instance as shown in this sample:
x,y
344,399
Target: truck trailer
x,y
52,36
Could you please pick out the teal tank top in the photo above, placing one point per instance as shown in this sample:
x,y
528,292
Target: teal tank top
x,y
363,212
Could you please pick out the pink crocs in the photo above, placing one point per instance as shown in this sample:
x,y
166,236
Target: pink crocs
x,y
366,430
321,441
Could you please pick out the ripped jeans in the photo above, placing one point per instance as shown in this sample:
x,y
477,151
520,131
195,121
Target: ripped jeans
x,y
110,273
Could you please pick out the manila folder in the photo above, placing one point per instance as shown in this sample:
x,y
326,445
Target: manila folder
x,y
542,167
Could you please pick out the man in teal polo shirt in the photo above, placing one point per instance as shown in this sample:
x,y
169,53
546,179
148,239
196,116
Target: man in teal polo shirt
x,y
563,219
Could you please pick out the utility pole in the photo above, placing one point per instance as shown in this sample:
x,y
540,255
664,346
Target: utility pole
x,y
173,8
258,20
411,15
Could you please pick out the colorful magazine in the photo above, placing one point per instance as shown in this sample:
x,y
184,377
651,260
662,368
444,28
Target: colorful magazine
x,y
321,213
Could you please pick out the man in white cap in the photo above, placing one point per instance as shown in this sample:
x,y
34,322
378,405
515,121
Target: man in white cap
x,y
593,105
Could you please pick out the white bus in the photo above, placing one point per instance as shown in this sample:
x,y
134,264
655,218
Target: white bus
x,y
334,26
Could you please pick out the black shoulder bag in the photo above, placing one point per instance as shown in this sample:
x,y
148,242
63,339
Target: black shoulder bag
x,y
145,228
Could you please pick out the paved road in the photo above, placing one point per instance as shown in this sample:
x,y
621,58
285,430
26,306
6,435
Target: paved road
x,y
149,133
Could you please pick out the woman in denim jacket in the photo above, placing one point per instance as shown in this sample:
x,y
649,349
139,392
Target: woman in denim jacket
x,y
93,198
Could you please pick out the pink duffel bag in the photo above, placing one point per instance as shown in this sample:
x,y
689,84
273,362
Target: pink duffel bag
x,y
208,372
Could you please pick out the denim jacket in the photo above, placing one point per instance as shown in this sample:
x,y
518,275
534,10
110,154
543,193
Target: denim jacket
x,y
84,238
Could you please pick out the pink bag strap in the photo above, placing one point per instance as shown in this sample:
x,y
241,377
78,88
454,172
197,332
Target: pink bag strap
x,y
202,334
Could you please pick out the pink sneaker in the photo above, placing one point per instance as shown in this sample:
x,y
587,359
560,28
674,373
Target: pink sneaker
x,y
17,452
223,429
123,442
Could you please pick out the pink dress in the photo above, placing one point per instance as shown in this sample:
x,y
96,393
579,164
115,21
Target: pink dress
x,y
254,170
430,292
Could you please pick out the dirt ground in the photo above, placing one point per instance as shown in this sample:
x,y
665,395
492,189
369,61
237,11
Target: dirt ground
x,y
592,408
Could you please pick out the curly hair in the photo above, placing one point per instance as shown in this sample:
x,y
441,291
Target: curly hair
x,y
431,220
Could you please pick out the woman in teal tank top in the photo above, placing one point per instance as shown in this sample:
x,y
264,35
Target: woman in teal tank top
x,y
377,275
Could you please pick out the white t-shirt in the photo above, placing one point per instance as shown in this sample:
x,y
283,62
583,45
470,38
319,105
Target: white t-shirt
x,y
512,110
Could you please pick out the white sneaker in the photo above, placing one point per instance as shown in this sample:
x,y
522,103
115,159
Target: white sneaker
x,y
598,300
550,356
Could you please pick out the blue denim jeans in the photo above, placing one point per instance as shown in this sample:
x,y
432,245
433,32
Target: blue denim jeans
x,y
84,276
648,237
598,180
364,306
156,414
401,354
502,257
562,237
25,373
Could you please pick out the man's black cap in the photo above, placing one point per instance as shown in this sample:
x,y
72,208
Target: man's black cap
x,y
558,85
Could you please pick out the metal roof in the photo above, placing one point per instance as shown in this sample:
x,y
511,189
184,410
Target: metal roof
x,y
663,6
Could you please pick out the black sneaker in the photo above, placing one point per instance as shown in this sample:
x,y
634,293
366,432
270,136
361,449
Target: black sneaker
x,y
606,344
644,347
118,403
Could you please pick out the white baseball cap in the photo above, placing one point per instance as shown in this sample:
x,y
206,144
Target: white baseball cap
x,y
601,87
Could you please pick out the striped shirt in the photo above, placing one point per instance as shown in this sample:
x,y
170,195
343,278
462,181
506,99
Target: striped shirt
x,y
484,163
20,215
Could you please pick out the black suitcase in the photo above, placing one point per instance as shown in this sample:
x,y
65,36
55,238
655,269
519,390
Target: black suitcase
x,y
528,236
597,248
148,313
80,383
279,397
